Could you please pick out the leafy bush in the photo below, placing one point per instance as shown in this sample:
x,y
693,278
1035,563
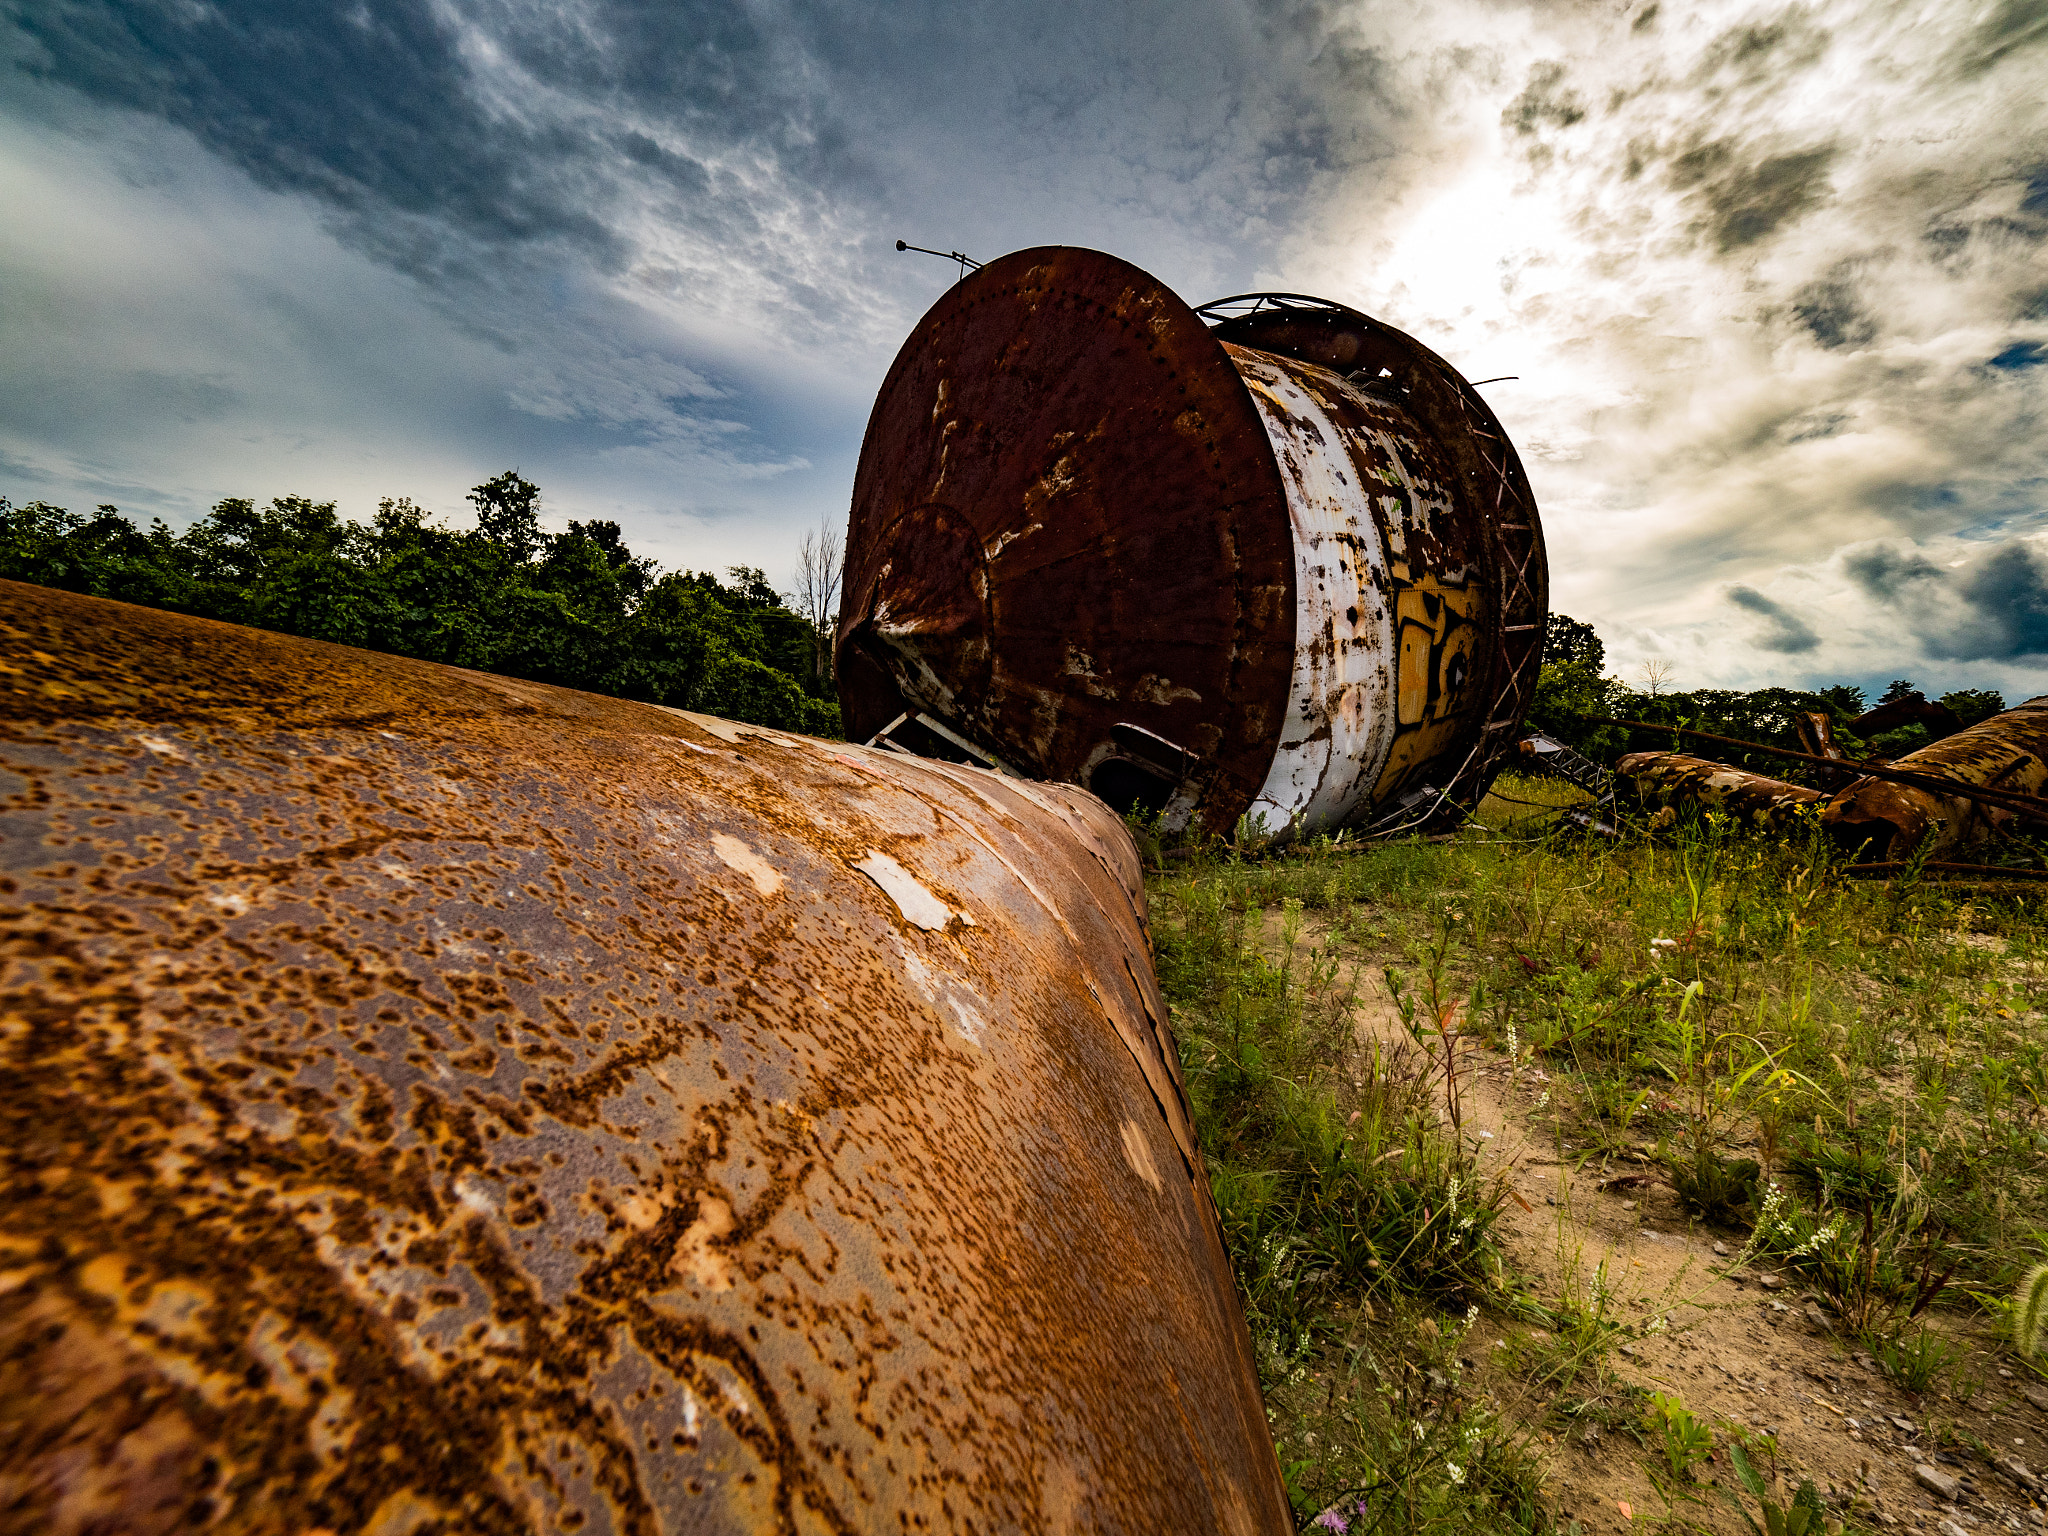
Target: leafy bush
x,y
1679,1433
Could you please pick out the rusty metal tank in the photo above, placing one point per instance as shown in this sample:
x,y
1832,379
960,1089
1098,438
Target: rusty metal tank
x,y
1272,557
438,1102
1885,820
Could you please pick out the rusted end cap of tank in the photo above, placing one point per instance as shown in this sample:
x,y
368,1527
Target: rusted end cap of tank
x,y
1069,542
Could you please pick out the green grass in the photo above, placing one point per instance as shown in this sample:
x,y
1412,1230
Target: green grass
x,y
1863,1058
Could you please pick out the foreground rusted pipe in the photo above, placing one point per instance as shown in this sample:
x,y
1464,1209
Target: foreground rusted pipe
x,y
1270,558
1675,778
2008,752
432,1101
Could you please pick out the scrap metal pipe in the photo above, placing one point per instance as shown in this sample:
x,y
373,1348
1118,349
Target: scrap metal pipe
x,y
1676,778
2026,807
1270,558
433,1101
2007,753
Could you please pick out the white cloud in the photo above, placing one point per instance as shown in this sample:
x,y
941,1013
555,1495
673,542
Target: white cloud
x,y
1750,263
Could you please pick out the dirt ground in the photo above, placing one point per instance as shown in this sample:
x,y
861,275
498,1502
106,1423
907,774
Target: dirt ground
x,y
1751,1349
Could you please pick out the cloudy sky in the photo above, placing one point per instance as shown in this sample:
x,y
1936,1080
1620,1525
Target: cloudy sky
x,y
1774,277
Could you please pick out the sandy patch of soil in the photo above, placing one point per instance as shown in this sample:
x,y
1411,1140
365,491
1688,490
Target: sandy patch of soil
x,y
1752,1349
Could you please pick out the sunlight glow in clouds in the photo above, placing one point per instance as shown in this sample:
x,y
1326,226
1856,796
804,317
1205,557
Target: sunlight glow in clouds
x,y
1773,278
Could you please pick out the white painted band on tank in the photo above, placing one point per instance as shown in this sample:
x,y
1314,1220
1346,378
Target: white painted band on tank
x,y
1341,712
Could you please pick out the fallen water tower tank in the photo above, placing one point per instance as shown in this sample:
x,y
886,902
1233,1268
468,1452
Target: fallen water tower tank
x,y
1268,557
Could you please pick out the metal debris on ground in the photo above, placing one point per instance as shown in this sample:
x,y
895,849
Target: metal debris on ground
x,y
2006,755
1671,779
1914,770
1546,756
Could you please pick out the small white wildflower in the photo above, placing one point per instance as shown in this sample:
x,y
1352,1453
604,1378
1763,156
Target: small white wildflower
x,y
1457,1473
1471,1315
1820,1239
1421,1433
1544,1101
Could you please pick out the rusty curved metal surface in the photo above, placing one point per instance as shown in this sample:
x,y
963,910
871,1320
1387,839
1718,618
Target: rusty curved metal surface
x,y
1677,778
1391,614
1466,572
434,1101
1195,568
2008,752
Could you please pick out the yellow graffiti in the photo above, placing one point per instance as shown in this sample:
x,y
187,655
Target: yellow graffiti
x,y
1436,631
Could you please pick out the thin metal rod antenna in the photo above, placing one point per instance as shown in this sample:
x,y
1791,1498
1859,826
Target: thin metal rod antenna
x,y
1496,379
965,261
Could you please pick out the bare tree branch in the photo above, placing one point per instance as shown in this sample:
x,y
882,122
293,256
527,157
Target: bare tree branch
x,y
819,566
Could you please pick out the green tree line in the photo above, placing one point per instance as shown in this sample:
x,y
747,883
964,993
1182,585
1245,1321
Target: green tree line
x,y
578,608
1573,685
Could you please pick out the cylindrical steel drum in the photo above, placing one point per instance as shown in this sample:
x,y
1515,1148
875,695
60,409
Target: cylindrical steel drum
x,y
1272,557
437,1102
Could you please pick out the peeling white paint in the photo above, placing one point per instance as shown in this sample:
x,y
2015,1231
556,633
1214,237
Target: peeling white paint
x,y
695,1257
1138,1153
948,994
729,731
1341,714
737,856
1003,541
918,905
1154,689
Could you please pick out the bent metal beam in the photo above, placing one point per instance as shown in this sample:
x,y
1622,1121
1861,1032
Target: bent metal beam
x,y
436,1100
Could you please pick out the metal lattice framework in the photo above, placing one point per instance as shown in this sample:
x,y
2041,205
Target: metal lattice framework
x,y
1446,404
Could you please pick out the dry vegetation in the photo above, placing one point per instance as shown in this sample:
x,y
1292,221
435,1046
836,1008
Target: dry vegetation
x,y
1675,1183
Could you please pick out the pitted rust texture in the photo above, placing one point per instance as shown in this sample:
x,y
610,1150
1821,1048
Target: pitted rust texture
x,y
1675,778
441,1103
1066,519
2008,752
